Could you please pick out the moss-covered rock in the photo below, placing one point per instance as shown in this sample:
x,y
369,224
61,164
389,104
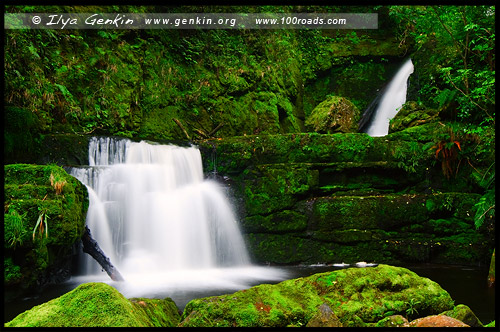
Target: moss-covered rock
x,y
392,321
464,314
335,114
357,296
350,190
99,305
412,114
44,193
324,318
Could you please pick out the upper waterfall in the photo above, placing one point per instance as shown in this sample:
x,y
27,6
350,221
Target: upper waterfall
x,y
392,100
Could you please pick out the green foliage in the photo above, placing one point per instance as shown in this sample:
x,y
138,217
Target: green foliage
x,y
12,272
410,157
454,47
14,228
411,311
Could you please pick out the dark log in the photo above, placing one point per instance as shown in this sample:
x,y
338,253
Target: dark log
x,y
216,129
91,247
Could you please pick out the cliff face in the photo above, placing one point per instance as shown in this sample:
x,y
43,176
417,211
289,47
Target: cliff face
x,y
309,198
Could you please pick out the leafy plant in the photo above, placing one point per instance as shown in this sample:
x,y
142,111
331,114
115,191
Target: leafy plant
x,y
14,228
41,224
412,310
57,183
447,153
410,158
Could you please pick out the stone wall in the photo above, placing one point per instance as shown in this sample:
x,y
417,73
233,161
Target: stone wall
x,y
312,198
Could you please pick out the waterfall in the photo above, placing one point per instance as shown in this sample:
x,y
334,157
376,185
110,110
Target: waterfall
x,y
390,103
151,210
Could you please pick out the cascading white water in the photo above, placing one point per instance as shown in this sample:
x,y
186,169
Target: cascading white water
x,y
152,211
392,100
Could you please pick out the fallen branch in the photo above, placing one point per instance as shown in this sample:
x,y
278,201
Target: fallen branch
x,y
219,126
91,247
182,128
201,133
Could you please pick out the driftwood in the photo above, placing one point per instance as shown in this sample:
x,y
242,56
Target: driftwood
x,y
91,247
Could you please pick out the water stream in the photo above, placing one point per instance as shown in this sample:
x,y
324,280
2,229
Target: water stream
x,y
394,97
161,223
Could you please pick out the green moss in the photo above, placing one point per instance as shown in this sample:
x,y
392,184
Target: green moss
x,y
98,305
30,192
269,188
464,314
335,114
412,114
280,222
156,312
358,297
392,321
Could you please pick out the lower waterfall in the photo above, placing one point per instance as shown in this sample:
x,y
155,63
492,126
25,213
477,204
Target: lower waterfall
x,y
158,219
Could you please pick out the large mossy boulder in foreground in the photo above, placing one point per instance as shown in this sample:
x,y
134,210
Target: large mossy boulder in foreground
x,y
356,297
99,305
334,115
44,194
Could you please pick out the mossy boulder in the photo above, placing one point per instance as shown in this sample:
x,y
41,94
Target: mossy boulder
x,y
392,321
44,193
464,314
412,114
357,296
99,305
335,114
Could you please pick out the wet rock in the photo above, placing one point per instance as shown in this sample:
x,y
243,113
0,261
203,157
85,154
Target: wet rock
x,y
436,321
